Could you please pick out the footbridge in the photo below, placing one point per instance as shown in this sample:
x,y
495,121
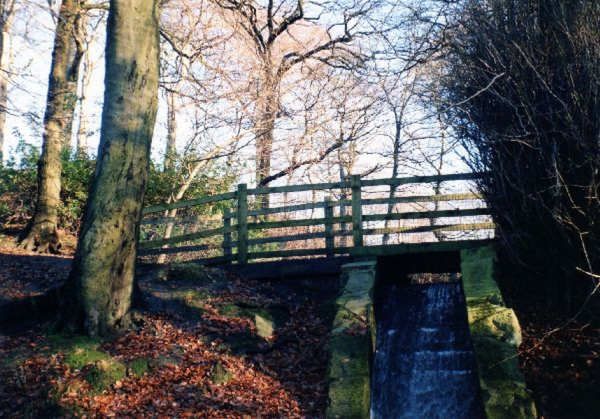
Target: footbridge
x,y
357,218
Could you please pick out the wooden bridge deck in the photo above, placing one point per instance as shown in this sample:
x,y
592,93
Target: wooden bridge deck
x,y
357,218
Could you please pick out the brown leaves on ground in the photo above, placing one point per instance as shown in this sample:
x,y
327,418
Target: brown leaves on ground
x,y
283,378
561,363
23,274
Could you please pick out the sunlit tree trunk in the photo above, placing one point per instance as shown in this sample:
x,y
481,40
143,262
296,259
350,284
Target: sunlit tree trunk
x,y
6,20
82,132
268,106
58,121
102,278
171,131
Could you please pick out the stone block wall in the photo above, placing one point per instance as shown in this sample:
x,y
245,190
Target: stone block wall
x,y
496,336
351,344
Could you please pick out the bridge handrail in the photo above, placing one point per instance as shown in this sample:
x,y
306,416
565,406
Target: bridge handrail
x,y
311,187
355,220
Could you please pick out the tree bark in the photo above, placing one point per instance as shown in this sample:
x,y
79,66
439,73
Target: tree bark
x,y
41,233
268,107
171,132
395,166
102,278
82,132
6,19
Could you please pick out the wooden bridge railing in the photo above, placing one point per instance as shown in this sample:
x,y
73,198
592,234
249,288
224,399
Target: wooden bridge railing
x,y
248,230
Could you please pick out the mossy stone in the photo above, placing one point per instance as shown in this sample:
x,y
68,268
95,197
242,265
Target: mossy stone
x,y
360,281
349,398
79,351
349,355
102,374
265,324
244,343
232,310
351,344
492,320
348,319
496,335
80,357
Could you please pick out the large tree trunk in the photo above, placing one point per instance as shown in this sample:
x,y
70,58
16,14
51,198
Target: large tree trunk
x,y
102,277
58,121
6,19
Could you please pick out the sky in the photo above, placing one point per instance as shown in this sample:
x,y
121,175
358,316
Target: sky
x,y
32,58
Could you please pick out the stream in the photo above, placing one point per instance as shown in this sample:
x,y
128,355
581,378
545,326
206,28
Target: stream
x,y
424,365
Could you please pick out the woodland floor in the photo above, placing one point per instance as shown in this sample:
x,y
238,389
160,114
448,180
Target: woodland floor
x,y
195,352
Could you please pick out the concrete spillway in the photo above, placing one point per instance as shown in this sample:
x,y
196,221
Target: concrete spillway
x,y
424,365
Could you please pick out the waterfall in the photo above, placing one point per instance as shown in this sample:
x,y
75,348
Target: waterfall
x,y
424,365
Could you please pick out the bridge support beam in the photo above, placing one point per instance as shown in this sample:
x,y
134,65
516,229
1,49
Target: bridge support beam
x,y
352,343
496,337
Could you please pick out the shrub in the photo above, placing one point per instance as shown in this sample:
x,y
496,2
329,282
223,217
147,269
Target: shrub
x,y
18,187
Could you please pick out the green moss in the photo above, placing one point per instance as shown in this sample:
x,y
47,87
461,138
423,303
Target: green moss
x,y
195,296
139,366
349,355
79,351
231,310
477,268
349,398
104,373
265,323
80,357
59,341
221,375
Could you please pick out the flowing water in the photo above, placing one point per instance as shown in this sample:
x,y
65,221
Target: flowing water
x,y
424,365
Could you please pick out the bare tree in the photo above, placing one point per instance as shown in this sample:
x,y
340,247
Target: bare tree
x,y
398,92
284,35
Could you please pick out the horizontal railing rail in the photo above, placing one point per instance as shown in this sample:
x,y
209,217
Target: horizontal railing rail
x,y
252,232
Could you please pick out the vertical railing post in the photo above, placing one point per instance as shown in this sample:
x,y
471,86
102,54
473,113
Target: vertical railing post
x,y
329,239
227,234
343,213
242,223
357,232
